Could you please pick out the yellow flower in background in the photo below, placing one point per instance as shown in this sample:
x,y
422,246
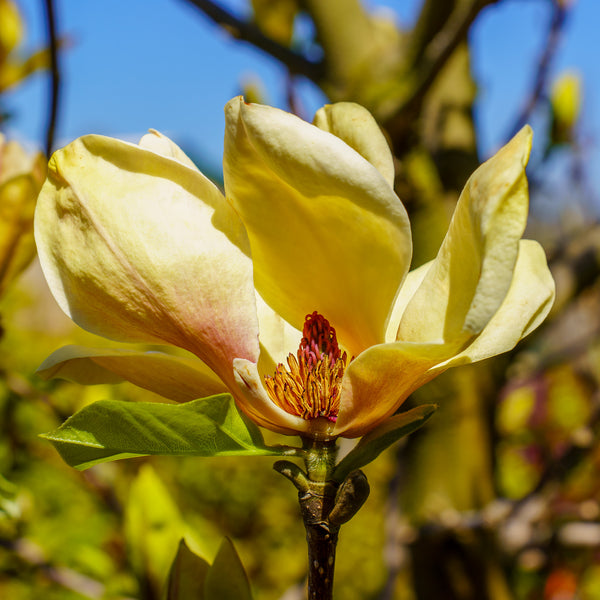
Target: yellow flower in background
x,y
292,290
21,177
11,28
565,103
14,68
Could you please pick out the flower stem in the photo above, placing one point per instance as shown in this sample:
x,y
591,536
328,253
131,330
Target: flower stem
x,y
316,503
325,504
321,537
319,459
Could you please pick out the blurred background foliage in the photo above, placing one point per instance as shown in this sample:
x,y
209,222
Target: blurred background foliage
x,y
497,498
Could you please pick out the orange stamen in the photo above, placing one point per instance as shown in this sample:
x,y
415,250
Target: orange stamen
x,y
311,385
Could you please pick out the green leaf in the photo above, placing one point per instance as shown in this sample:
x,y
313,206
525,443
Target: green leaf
x,y
374,443
226,578
187,575
111,430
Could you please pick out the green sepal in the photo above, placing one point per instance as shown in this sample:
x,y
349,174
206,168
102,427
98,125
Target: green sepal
x,y
226,579
187,575
110,430
375,442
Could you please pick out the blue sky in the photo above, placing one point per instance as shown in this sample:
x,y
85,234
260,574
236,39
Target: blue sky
x,y
139,64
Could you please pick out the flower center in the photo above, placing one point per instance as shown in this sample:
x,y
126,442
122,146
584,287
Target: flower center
x,y
311,385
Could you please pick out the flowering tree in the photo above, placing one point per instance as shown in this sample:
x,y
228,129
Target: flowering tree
x,y
137,245
307,306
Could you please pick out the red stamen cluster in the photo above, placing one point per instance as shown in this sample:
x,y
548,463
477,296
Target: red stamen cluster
x,y
311,387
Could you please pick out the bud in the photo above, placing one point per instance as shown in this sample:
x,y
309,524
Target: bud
x,y
565,100
351,495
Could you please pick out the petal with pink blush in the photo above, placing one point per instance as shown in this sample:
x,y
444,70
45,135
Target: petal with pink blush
x,y
138,247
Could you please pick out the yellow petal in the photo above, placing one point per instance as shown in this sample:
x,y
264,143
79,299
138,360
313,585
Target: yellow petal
x,y
472,273
409,287
378,381
277,337
161,144
252,398
138,247
526,305
356,126
174,377
327,231
381,378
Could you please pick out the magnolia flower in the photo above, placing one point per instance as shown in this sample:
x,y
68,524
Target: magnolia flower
x,y
292,290
21,177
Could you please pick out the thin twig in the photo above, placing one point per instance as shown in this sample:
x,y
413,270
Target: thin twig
x,y
54,75
557,23
242,30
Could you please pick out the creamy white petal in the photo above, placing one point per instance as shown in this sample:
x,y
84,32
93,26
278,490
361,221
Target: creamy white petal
x,y
138,247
